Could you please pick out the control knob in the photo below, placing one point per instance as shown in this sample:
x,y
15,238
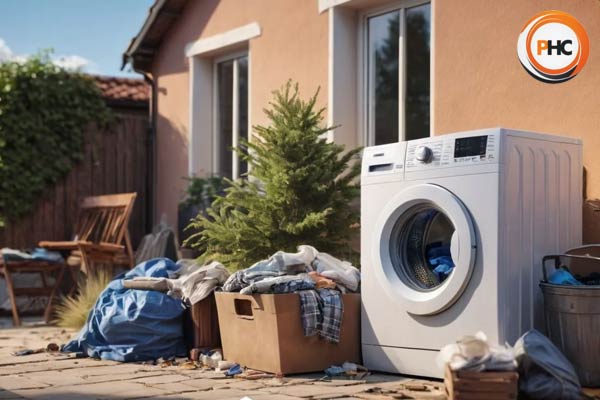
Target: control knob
x,y
424,154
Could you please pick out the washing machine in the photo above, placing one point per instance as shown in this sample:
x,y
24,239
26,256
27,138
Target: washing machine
x,y
453,231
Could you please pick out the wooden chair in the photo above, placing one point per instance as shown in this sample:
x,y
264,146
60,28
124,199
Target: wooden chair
x,y
101,236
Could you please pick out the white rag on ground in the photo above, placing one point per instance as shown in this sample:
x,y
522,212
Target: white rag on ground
x,y
191,283
474,353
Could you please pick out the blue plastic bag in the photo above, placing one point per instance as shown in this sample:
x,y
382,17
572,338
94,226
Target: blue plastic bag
x,y
133,325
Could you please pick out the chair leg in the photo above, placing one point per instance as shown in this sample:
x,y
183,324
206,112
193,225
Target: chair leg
x,y
11,293
57,284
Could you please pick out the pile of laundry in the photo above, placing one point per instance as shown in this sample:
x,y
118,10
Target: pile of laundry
x,y
544,372
146,324
318,278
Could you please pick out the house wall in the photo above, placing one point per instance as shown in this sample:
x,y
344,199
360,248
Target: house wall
x,y
477,81
293,45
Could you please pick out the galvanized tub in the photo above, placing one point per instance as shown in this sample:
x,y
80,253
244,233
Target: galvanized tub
x,y
573,324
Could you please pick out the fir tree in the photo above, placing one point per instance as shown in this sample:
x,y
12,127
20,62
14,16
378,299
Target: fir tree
x,y
299,190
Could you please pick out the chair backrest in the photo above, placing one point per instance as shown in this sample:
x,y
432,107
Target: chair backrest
x,y
104,218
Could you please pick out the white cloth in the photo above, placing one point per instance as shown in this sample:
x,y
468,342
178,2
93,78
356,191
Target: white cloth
x,y
192,282
473,353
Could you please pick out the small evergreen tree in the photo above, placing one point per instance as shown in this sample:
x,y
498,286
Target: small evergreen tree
x,y
299,191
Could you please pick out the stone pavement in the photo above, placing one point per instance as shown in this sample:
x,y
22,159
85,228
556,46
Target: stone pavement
x,y
63,377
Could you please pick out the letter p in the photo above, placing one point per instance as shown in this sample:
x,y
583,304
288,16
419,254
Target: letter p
x,y
541,46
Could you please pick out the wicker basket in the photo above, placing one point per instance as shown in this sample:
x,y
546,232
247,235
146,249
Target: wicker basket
x,y
469,385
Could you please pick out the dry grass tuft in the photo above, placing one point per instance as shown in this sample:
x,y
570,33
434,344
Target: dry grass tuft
x,y
72,312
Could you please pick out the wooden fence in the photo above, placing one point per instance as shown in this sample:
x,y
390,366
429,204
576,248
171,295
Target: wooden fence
x,y
114,162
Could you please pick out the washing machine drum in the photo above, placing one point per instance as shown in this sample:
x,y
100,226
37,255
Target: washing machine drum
x,y
425,248
420,246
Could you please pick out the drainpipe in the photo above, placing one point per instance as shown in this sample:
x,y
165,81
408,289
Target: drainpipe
x,y
151,151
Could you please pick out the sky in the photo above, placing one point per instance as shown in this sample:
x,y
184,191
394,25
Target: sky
x,y
87,34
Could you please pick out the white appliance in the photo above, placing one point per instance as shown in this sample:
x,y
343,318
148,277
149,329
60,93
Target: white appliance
x,y
453,231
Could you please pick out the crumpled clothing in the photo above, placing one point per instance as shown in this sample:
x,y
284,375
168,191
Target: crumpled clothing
x,y
473,353
191,282
133,325
562,276
266,285
321,312
306,260
280,284
38,254
322,282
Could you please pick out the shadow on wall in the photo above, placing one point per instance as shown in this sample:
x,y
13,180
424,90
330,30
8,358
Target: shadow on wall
x,y
171,167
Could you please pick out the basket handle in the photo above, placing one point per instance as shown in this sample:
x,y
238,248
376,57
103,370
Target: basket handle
x,y
557,257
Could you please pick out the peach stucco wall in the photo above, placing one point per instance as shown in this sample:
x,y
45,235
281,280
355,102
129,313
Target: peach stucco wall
x,y
293,44
479,81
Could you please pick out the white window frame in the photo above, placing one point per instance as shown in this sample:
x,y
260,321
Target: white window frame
x,y
201,55
363,68
235,128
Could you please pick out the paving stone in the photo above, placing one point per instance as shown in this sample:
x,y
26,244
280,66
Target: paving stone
x,y
245,384
205,384
155,379
306,390
12,382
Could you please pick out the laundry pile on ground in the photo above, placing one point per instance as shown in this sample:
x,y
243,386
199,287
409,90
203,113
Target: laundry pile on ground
x,y
318,278
138,325
544,372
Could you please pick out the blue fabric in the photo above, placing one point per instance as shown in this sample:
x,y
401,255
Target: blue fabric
x,y
133,325
38,254
439,257
562,276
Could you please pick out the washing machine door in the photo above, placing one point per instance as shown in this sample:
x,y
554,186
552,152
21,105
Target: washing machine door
x,y
425,249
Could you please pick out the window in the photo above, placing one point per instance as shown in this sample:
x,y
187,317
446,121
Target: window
x,y
231,109
397,74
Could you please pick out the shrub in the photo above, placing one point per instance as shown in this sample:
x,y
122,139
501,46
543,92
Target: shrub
x,y
298,191
44,110
72,312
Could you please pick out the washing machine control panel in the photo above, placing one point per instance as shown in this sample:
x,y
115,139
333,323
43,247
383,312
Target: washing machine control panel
x,y
451,152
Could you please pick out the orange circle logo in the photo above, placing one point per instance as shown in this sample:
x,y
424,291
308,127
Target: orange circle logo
x,y
553,46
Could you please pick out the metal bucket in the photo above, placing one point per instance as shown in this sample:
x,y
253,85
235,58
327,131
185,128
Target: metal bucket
x,y
573,324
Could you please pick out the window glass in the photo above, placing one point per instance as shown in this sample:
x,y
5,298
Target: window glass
x,y
243,108
383,45
392,68
418,23
225,111
228,133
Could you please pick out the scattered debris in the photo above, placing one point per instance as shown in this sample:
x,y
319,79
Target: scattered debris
x,y
347,370
52,347
234,370
190,365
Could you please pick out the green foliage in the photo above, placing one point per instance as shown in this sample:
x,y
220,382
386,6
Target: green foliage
x,y
44,110
299,190
202,191
73,311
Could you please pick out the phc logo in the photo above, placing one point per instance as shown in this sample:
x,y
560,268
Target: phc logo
x,y
553,46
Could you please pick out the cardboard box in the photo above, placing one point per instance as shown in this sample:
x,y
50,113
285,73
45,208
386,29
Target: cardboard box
x,y
201,326
264,332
